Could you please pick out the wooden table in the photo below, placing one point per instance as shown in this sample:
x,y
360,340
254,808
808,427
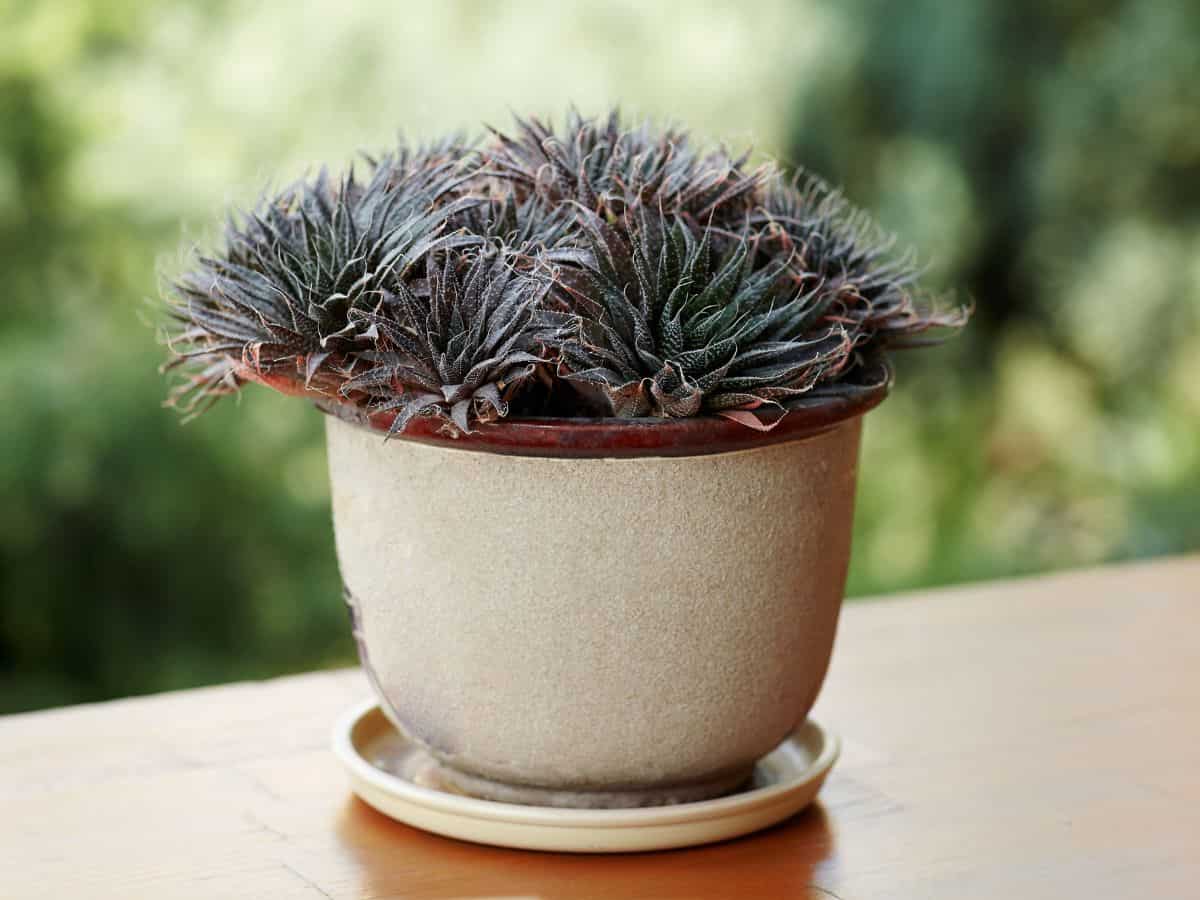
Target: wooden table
x,y
1021,740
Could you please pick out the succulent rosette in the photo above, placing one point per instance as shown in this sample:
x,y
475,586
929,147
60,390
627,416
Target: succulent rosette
x,y
589,270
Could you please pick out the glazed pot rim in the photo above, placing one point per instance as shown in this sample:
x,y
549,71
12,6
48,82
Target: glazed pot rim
x,y
582,438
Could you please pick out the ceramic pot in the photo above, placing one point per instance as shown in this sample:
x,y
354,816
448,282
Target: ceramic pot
x,y
597,613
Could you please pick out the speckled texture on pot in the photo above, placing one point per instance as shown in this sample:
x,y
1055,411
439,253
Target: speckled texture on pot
x,y
595,631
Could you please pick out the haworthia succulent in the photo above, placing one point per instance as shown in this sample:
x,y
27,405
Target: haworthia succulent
x,y
590,269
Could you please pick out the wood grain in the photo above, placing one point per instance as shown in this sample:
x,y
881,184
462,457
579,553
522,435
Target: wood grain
x,y
1028,739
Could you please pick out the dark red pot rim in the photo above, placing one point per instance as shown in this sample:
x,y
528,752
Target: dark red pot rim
x,y
624,438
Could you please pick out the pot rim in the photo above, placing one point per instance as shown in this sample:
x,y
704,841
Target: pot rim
x,y
611,437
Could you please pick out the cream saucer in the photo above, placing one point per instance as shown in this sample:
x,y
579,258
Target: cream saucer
x,y
398,779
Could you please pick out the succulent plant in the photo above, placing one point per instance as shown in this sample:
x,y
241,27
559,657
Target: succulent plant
x,y
668,327
528,231
593,269
864,284
456,348
293,270
595,163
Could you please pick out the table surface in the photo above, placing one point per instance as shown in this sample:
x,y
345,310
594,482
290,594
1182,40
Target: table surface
x,y
1024,739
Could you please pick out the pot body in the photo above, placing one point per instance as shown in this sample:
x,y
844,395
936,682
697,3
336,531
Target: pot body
x,y
594,632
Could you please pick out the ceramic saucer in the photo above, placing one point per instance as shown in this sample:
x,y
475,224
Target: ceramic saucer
x,y
400,780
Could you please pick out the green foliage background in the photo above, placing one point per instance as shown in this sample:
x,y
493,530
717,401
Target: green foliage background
x,y
1045,158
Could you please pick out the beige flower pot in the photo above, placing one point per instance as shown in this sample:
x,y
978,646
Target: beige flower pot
x,y
579,631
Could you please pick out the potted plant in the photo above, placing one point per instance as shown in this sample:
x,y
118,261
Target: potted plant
x,y
594,403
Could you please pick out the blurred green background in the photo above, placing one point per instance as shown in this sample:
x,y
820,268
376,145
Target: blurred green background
x,y
1044,157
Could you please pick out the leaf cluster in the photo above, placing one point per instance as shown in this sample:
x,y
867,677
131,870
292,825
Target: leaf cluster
x,y
586,270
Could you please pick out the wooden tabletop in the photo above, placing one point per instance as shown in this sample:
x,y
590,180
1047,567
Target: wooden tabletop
x,y
1019,740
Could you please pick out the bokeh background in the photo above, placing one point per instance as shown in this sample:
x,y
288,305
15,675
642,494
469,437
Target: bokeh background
x,y
1045,158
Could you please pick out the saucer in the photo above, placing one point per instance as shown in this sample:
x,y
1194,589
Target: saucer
x,y
400,780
